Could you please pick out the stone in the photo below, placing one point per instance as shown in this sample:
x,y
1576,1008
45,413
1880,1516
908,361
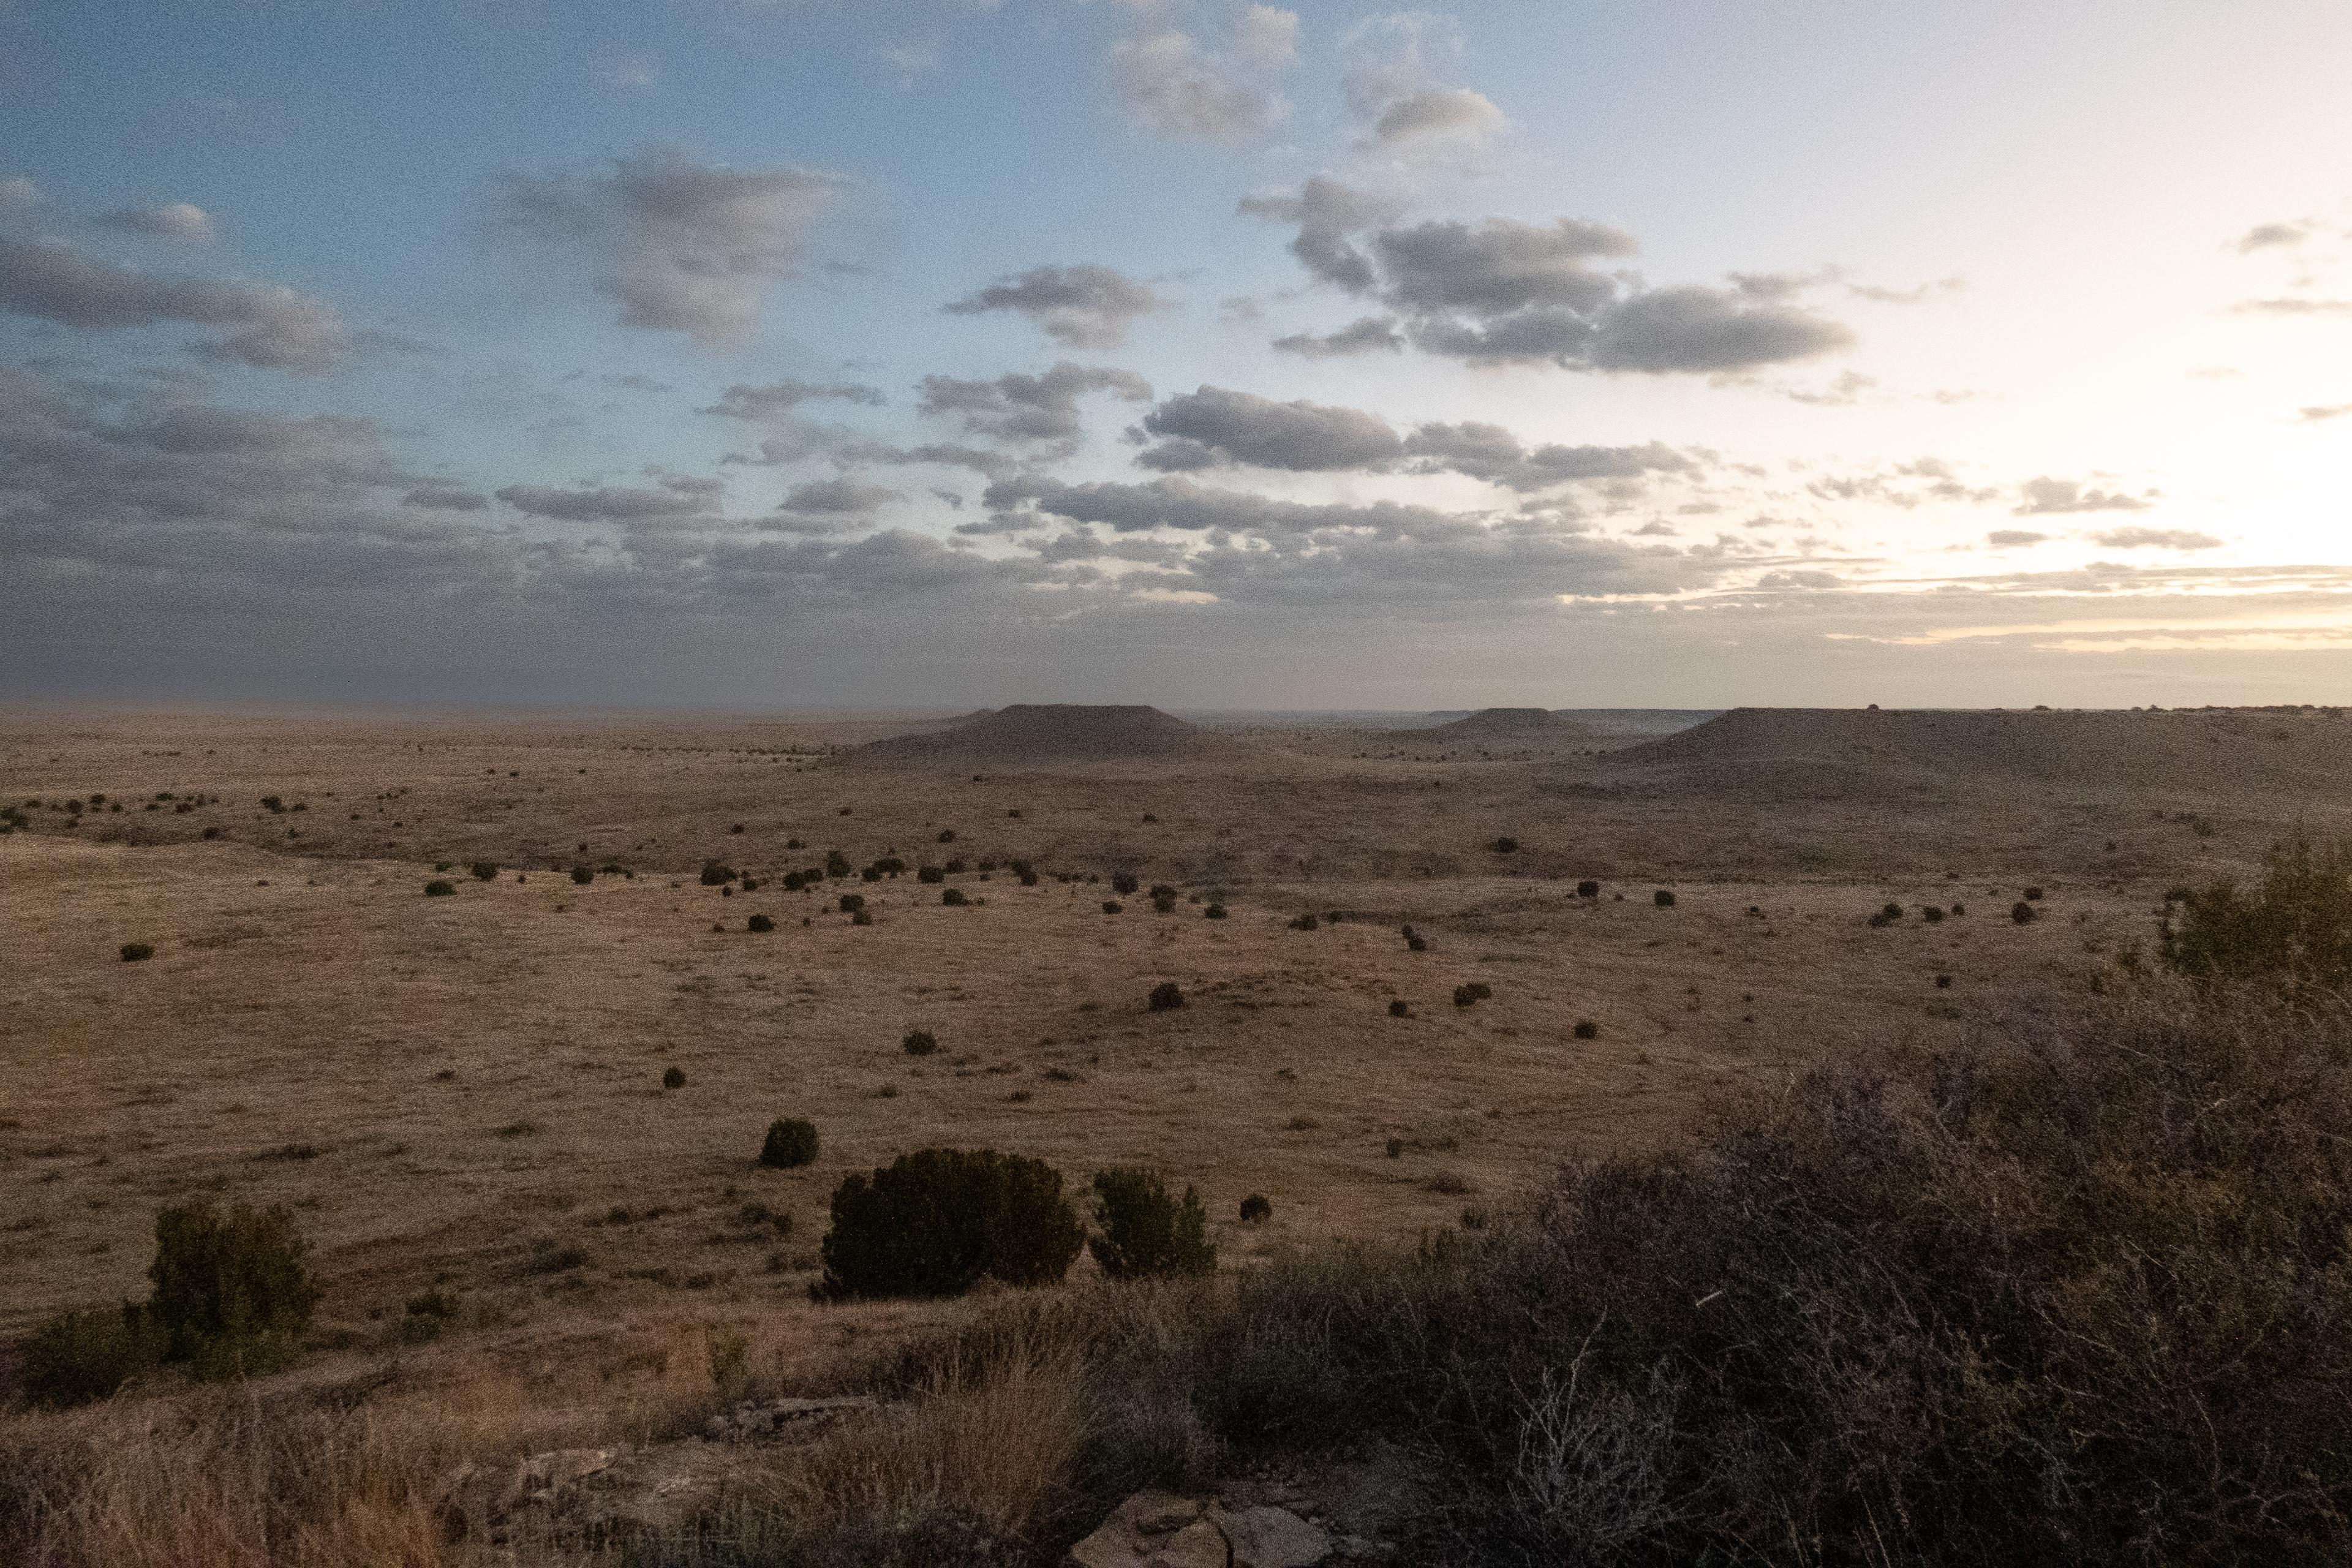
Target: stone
x,y
1269,1537
1158,1529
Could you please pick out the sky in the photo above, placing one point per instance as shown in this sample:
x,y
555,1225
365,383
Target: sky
x,y
773,355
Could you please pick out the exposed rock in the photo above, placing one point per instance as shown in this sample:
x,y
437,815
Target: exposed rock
x,y
1156,1530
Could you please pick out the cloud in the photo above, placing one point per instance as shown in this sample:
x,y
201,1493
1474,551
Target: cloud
x,y
1366,334
778,398
2155,539
2047,496
1505,292
445,498
2014,538
1489,452
1081,306
2318,413
1456,115
2266,236
1167,84
995,464
277,328
1030,408
679,244
1270,35
1916,295
183,222
1218,424
677,498
2293,306
19,193
839,496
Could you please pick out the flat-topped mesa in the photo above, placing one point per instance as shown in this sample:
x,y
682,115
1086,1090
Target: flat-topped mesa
x,y
2205,751
1054,732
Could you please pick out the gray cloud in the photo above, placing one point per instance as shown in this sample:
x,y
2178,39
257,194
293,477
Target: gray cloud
x,y
995,464
445,498
2264,236
181,222
2010,538
1029,408
839,496
1491,453
680,245
2294,305
277,328
1366,334
1439,114
675,500
778,398
1243,427
2155,539
1168,84
1505,293
2319,412
2046,495
1080,307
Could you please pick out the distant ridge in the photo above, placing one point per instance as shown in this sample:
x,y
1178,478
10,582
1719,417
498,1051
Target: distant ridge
x,y
1054,732
1786,752
1502,724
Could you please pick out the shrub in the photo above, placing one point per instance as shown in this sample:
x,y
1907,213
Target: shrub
x,y
1213,912
790,1143
1145,1233
760,922
717,874
947,835
1507,845
1399,1009
674,1078
2292,931
233,1289
1165,995
485,870
857,918
1305,922
930,874
1892,911
1113,907
1124,882
1026,872
1475,990
953,898
2021,912
1588,889
1931,914
935,1222
836,864
1664,899
74,1357
1943,982
852,903
581,876
1163,898
1586,1029
919,1043
2033,895
439,889
953,868
137,951
1256,1209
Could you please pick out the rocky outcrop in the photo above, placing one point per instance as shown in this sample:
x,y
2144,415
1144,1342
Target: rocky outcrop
x,y
1159,1530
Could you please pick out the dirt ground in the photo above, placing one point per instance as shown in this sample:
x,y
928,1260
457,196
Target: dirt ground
x,y
469,1090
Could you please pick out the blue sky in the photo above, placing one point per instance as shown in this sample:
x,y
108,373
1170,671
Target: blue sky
x,y
1703,354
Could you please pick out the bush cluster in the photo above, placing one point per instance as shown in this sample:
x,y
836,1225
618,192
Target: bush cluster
x,y
2293,930
1165,995
790,1143
937,1222
1146,1233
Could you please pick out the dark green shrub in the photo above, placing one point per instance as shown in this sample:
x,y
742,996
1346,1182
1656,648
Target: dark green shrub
x,y
1256,1209
935,1222
136,952
947,835
2021,912
1145,1233
1165,995
1943,982
851,903
857,918
717,874
233,1289
1960,909
1507,845
1665,900
1931,914
1472,991
674,1078
791,1142
953,868
2293,931
439,889
581,876
760,922
1026,872
1213,912
1586,1029
954,899
1305,922
836,864
485,870
919,1043
73,1358
1892,911
2033,895
1588,889
1399,1008
794,881
1112,907
930,874
1124,882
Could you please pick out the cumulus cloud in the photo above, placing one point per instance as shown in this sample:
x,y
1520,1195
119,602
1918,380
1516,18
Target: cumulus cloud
x,y
1505,293
1169,85
1366,334
679,244
1218,423
276,327
2269,236
183,222
1456,115
2012,538
676,499
1081,306
2045,496
1490,452
842,495
2155,539
1029,408
777,398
